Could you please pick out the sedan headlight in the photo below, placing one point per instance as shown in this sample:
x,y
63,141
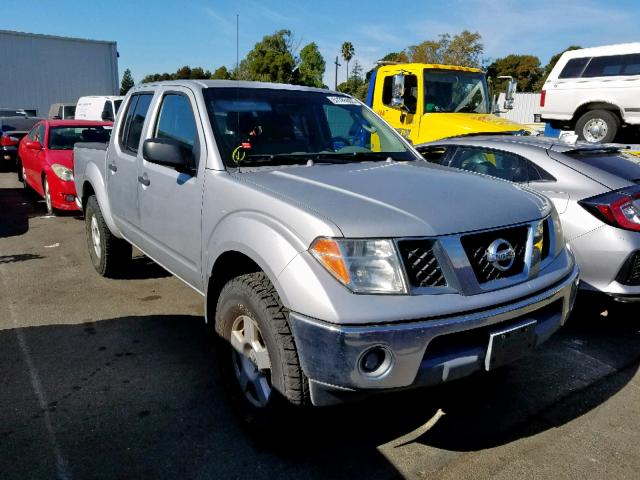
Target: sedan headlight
x,y
62,172
363,266
557,230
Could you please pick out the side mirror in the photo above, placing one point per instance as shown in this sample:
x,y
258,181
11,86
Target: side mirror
x,y
511,91
167,152
33,145
397,91
107,116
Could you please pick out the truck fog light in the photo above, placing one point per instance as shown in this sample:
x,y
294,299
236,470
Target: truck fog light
x,y
375,361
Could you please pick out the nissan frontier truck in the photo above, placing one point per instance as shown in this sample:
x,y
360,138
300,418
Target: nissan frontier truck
x,y
334,261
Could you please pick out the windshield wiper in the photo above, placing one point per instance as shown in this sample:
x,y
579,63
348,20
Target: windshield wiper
x,y
320,157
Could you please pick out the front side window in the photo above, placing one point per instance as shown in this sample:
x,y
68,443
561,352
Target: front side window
x,y
64,138
176,121
574,68
271,124
134,121
453,91
410,96
507,166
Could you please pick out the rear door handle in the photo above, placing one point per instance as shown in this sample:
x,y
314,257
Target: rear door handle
x,y
113,167
144,180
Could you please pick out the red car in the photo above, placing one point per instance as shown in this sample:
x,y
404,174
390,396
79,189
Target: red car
x,y
45,158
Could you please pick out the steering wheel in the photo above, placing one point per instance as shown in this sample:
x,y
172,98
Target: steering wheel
x,y
342,140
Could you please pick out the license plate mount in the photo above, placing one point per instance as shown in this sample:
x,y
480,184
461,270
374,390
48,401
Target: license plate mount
x,y
509,344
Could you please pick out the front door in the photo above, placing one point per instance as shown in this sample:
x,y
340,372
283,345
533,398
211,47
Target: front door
x,y
171,200
122,166
406,119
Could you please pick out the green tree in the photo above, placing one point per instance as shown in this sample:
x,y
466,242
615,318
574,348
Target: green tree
x,y
221,73
347,51
127,82
198,73
464,49
312,66
524,68
183,73
354,85
271,59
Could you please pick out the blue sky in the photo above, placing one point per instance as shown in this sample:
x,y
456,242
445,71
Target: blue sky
x,y
162,35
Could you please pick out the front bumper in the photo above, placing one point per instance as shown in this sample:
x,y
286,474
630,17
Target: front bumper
x,y
424,352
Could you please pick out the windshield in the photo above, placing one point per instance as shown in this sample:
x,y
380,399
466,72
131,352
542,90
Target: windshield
x,y
64,138
116,104
453,91
289,126
69,111
614,163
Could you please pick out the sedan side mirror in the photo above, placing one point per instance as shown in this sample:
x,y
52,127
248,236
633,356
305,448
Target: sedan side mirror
x,y
167,152
34,145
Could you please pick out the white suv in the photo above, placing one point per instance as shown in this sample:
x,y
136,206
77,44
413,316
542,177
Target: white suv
x,y
594,91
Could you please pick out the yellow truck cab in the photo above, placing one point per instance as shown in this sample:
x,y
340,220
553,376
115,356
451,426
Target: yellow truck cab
x,y
426,102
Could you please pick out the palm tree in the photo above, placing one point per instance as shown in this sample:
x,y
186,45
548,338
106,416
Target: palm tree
x,y
347,51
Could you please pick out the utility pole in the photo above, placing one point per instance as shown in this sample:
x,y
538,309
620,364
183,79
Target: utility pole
x,y
237,43
337,65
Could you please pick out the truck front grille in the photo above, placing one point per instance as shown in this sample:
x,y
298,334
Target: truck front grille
x,y
477,245
421,264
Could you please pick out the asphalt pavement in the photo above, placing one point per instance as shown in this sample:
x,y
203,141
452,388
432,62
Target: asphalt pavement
x,y
117,379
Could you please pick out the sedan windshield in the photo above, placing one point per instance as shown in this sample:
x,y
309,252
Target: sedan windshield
x,y
453,91
280,126
64,138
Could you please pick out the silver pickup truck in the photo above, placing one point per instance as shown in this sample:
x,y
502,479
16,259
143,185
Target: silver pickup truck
x,y
333,260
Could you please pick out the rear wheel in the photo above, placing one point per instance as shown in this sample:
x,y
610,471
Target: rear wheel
x,y
22,174
109,254
258,351
598,126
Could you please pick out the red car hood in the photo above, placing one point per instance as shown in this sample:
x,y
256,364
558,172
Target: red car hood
x,y
63,157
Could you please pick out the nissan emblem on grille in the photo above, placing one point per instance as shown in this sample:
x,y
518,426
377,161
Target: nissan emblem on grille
x,y
501,255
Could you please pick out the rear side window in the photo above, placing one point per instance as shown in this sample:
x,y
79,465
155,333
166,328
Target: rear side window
x,y
613,65
574,68
134,120
507,166
614,163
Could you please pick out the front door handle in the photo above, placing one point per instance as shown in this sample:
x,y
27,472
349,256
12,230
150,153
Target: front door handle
x,y
113,167
144,180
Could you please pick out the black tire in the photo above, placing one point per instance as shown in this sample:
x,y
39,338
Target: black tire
x,y
254,296
21,177
610,119
115,253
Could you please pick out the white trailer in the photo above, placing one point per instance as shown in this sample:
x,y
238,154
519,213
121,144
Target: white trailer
x,y
37,71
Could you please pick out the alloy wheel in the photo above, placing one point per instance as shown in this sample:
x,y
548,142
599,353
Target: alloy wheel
x,y
251,361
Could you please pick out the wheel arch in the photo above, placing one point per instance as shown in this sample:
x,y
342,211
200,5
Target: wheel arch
x,y
596,105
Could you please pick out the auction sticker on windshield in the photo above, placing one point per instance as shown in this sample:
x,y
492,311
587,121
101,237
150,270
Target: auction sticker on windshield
x,y
343,101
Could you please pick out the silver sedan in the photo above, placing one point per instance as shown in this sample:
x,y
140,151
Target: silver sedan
x,y
594,188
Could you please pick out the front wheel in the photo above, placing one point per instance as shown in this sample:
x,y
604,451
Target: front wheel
x,y
598,126
47,196
258,350
109,254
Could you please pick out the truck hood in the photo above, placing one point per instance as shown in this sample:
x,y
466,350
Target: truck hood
x,y
434,125
399,199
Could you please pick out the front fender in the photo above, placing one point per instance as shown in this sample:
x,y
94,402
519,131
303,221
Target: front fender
x,y
93,177
264,239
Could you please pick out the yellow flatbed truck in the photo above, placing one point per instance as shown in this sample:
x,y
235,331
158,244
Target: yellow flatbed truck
x,y
426,102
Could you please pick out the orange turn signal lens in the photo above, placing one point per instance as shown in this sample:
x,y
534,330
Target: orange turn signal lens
x,y
328,253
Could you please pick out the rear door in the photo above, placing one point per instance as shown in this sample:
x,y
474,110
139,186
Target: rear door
x,y
122,166
170,200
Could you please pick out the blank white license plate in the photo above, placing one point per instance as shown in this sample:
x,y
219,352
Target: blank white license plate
x,y
509,344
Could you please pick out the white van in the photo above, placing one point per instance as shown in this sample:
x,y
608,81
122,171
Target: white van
x,y
594,91
98,108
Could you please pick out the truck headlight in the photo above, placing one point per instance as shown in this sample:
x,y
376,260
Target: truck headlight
x,y
559,243
62,172
363,266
